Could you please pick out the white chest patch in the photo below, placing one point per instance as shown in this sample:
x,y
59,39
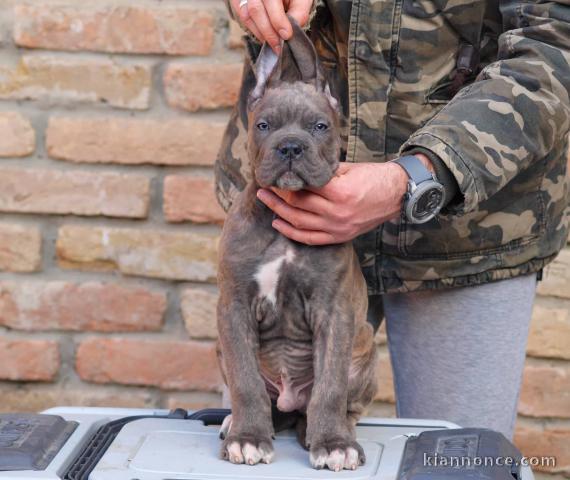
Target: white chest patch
x,y
267,275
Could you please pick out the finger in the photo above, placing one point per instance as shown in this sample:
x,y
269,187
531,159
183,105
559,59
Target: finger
x,y
299,10
243,14
294,216
258,14
337,190
329,190
308,201
308,237
343,167
236,8
279,21
253,29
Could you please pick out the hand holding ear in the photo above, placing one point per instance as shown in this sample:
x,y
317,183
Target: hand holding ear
x,y
267,19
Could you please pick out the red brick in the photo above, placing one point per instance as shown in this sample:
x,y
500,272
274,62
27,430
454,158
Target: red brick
x,y
20,248
536,444
381,338
29,360
148,253
175,30
17,137
169,141
54,79
556,281
191,198
35,398
385,379
194,87
166,364
545,391
381,409
73,192
193,400
235,35
198,308
550,331
92,306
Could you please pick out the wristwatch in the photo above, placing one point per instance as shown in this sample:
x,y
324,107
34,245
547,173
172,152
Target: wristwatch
x,y
425,195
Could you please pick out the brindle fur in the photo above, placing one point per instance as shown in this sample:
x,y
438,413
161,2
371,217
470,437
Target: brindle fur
x,y
315,328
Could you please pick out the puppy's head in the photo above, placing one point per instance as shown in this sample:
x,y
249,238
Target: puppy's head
x,y
293,139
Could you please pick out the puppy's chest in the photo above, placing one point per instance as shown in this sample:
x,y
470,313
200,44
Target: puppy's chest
x,y
285,339
273,271
281,290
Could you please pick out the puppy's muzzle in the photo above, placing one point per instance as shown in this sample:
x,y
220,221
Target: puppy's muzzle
x,y
290,150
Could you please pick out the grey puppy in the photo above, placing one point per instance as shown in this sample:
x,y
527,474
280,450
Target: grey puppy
x,y
294,345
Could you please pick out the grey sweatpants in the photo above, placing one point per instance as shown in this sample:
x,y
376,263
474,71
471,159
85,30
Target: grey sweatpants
x,y
458,354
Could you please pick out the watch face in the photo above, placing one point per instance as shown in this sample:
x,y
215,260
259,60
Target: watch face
x,y
425,202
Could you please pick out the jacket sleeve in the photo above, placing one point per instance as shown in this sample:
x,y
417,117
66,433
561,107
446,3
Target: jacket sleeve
x,y
515,113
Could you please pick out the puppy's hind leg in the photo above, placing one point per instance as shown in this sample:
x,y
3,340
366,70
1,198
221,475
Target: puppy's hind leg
x,y
301,430
362,379
282,420
362,376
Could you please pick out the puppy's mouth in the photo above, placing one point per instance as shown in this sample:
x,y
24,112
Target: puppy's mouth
x,y
309,169
289,180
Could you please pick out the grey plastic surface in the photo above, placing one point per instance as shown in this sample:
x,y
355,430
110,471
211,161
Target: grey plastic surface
x,y
30,442
153,449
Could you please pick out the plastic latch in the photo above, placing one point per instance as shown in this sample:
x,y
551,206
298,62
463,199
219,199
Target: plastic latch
x,y
178,413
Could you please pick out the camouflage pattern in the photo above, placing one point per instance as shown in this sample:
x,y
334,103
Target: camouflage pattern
x,y
483,84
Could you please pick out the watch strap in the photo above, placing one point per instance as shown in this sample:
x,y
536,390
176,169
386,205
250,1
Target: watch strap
x,y
441,173
415,169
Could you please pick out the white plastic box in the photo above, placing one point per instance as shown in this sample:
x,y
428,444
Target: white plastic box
x,y
181,449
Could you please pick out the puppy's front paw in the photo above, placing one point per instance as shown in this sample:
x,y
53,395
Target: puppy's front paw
x,y
336,454
247,448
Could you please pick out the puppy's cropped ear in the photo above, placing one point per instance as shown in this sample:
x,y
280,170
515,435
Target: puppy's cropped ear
x,y
304,56
298,61
264,68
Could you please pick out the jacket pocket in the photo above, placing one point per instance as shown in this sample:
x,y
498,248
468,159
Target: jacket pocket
x,y
440,93
512,218
466,69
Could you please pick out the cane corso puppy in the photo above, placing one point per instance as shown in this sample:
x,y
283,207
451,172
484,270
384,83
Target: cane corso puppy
x,y
294,345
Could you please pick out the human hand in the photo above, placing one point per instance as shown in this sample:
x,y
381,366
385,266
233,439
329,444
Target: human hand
x,y
267,19
358,198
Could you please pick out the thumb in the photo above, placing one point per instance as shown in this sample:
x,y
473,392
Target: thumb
x,y
343,167
299,10
329,190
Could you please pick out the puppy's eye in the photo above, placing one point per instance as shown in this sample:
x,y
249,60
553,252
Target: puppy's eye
x,y
321,127
263,126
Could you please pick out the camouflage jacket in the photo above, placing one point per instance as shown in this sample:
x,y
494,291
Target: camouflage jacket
x,y
484,85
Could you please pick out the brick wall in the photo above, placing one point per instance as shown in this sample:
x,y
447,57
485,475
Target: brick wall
x,y
110,119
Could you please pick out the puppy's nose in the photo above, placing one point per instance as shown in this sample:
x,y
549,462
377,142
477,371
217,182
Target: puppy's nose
x,y
290,150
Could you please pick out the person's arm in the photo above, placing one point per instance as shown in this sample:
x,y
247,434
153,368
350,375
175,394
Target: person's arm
x,y
516,111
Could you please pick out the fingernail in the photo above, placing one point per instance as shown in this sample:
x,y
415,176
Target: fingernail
x,y
277,49
284,34
261,194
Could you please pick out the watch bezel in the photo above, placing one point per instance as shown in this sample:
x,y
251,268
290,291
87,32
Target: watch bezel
x,y
415,192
